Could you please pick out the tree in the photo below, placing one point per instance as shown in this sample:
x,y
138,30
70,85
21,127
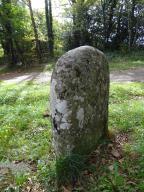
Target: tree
x,y
7,40
49,24
107,24
131,5
80,18
13,25
38,47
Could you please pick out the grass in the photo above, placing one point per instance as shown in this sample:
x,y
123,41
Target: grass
x,y
124,61
22,122
25,136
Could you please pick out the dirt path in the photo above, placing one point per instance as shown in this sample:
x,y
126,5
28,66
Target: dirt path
x,y
128,75
39,77
42,77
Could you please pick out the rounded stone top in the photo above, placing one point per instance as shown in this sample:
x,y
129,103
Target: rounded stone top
x,y
83,51
80,57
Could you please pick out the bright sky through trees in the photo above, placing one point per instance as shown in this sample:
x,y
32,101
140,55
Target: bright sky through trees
x,y
38,4
56,8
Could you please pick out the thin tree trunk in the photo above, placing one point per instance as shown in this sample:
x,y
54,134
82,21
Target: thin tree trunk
x,y
133,22
117,39
76,33
129,25
130,9
107,18
49,23
103,5
110,19
38,49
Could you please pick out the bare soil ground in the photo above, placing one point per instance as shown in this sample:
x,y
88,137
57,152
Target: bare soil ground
x,y
130,75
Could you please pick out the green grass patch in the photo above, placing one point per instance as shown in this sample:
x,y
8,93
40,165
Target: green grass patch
x,y
25,136
121,61
22,122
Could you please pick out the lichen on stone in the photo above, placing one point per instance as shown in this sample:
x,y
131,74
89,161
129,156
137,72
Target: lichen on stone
x,y
79,101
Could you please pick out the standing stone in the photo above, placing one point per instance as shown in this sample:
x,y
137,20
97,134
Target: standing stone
x,y
79,101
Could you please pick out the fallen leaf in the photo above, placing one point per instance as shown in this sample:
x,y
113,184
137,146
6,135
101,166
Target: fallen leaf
x,y
97,151
121,161
111,167
28,188
46,114
115,153
131,183
66,189
110,145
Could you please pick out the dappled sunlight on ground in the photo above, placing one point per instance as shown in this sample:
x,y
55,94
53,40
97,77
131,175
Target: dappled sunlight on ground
x,y
43,77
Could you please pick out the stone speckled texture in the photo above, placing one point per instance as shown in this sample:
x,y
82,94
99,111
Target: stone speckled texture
x,y
79,101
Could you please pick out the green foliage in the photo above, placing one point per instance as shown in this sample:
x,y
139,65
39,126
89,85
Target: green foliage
x,y
1,52
105,24
21,178
15,31
19,18
41,24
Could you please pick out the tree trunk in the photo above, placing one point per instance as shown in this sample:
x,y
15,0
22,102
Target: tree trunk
x,y
133,23
130,9
107,19
49,23
103,5
117,40
110,19
38,48
76,31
